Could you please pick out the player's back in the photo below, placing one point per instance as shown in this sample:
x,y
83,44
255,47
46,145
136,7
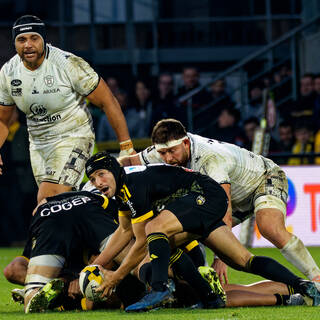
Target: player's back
x,y
228,163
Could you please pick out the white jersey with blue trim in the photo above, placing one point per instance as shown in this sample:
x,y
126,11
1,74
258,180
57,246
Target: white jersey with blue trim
x,y
225,163
52,96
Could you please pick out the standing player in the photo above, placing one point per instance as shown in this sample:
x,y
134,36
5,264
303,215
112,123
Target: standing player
x,y
183,202
255,185
50,85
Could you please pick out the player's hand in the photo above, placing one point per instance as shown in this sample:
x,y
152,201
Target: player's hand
x,y
74,289
124,161
1,164
221,269
109,283
44,200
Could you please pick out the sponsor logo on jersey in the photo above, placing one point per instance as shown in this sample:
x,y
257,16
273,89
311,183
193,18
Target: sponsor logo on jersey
x,y
149,149
200,200
16,92
38,109
51,91
49,81
66,206
16,82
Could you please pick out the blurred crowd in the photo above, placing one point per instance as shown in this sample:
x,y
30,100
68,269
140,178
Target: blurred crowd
x,y
217,115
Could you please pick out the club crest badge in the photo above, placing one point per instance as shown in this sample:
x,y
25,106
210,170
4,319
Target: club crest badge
x,y
49,81
200,200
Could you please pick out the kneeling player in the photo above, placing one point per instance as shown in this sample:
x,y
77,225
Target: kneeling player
x,y
62,230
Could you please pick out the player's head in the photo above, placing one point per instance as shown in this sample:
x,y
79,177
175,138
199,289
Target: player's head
x,y
169,136
29,37
105,173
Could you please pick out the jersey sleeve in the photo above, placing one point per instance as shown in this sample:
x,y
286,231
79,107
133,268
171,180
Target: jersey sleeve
x,y
5,97
216,168
150,155
84,79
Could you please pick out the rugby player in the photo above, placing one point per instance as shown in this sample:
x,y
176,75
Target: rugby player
x,y
50,86
62,229
253,183
183,201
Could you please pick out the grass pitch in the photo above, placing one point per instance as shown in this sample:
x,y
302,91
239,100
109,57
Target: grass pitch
x,y
11,311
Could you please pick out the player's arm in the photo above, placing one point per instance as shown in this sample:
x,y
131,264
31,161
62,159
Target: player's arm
x,y
135,255
120,238
103,98
6,114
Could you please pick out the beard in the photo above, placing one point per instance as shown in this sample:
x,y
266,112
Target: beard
x,y
34,62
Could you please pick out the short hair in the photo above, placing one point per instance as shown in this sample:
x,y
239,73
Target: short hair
x,y
187,67
166,130
251,120
285,124
232,112
308,75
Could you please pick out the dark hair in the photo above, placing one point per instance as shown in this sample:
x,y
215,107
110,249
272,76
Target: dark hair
x,y
285,123
232,112
166,130
251,120
308,75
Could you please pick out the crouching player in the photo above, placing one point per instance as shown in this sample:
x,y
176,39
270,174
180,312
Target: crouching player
x,y
184,202
62,229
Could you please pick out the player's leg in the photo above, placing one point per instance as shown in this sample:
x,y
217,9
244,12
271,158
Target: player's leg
x,y
272,226
63,168
41,285
270,209
230,250
264,287
16,270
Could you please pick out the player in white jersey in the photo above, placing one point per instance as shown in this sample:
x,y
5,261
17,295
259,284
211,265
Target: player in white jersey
x,y
255,185
50,86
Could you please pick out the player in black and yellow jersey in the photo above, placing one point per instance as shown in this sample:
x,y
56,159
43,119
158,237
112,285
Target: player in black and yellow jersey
x,y
160,202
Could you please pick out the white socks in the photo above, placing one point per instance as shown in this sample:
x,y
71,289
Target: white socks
x,y
296,253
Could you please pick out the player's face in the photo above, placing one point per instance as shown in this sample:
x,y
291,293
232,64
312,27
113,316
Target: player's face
x,y
29,47
104,181
177,155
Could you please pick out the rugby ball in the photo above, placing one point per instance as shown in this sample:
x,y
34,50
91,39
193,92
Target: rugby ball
x,y
89,280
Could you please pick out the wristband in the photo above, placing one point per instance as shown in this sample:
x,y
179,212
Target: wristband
x,y
126,145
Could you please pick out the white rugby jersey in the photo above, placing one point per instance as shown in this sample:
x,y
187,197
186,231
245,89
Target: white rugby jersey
x,y
225,163
52,96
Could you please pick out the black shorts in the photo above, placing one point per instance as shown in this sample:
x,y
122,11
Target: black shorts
x,y
72,233
202,212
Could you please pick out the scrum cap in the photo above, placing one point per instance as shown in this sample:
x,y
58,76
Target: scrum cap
x,y
29,24
103,160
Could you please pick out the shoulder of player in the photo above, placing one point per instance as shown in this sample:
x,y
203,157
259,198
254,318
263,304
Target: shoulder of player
x,y
10,66
59,57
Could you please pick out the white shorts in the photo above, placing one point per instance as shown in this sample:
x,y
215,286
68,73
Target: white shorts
x,y
271,193
62,161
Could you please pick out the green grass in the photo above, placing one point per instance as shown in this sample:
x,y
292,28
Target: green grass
x,y
10,310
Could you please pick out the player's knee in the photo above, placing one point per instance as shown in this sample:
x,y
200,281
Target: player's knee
x,y
13,271
9,273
